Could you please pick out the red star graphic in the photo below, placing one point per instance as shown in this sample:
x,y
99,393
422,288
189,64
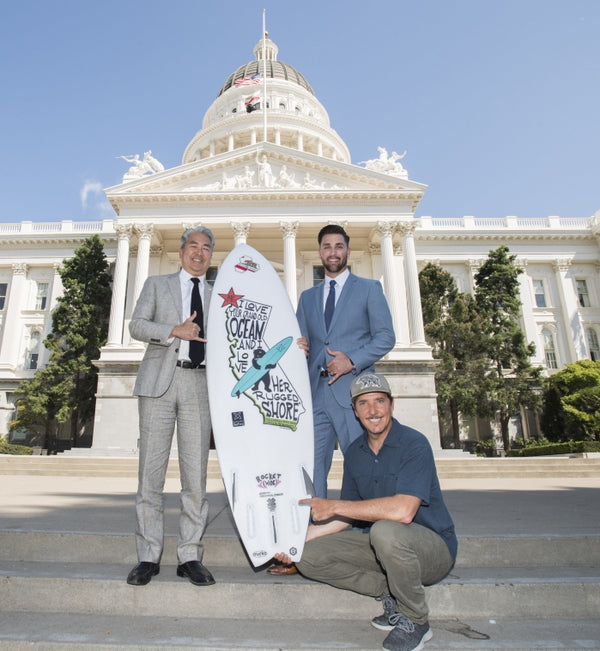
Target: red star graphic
x,y
231,298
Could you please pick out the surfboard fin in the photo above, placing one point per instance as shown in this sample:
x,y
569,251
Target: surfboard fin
x,y
233,495
308,484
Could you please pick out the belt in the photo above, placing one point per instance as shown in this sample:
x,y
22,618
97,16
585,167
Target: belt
x,y
324,373
186,364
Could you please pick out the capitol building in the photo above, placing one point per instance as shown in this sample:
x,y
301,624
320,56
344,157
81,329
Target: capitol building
x,y
272,178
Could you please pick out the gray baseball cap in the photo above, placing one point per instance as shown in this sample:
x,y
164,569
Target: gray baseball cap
x,y
369,383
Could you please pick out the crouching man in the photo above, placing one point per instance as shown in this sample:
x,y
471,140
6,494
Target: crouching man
x,y
390,533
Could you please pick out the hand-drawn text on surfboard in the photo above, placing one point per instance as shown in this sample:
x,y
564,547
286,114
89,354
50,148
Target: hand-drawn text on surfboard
x,y
257,367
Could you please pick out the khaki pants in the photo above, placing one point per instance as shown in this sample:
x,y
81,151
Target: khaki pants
x,y
393,557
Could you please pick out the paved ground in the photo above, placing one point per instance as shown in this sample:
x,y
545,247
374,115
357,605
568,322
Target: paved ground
x,y
480,507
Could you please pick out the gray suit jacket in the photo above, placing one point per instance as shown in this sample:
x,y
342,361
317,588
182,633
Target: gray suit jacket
x,y
361,327
156,313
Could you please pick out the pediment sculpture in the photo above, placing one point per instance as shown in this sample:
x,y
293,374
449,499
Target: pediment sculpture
x,y
141,166
387,164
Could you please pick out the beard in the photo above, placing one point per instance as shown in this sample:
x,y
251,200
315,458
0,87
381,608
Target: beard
x,y
337,267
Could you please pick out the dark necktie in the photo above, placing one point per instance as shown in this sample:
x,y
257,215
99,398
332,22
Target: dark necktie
x,y
330,304
197,347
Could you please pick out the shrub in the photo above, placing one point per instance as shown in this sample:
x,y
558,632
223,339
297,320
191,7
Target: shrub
x,y
11,448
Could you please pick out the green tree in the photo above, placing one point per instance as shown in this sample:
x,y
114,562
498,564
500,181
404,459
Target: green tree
x,y
453,330
511,379
65,389
572,403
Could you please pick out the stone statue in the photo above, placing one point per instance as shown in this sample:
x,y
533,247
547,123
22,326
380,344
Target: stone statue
x,y
265,173
386,164
141,167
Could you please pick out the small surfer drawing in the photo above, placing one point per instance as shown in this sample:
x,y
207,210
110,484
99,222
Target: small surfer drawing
x,y
257,364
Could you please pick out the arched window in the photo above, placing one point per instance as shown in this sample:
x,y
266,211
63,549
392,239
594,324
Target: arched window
x,y
549,349
593,345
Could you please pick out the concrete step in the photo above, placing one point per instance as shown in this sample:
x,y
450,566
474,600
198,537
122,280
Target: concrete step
x,y
220,550
242,592
66,632
470,467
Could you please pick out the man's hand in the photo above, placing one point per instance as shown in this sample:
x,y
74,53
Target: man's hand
x,y
303,344
339,365
187,330
321,509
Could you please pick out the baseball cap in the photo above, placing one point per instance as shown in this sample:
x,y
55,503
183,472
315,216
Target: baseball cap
x,y
369,383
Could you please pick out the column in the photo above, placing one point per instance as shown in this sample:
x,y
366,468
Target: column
x,y
144,233
241,230
386,232
415,313
528,320
12,332
117,307
569,310
56,289
289,230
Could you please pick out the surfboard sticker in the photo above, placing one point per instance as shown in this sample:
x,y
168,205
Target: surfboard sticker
x,y
260,404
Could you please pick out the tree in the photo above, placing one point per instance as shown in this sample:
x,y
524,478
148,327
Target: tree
x,y
511,379
65,389
453,330
572,403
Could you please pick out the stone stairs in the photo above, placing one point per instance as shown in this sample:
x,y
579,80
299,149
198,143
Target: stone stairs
x,y
468,467
66,589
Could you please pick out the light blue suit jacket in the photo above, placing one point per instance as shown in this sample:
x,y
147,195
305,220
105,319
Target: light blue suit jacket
x,y
361,328
157,312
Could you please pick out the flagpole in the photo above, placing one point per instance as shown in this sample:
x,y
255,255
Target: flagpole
x,y
264,57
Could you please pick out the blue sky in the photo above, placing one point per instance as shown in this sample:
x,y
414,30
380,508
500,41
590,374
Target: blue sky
x,y
497,102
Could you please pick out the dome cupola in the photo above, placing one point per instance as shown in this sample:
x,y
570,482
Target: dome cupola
x,y
295,117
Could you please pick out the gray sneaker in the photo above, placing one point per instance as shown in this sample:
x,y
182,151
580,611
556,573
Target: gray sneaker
x,y
382,622
406,635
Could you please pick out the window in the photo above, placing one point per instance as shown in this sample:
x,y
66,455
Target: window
x,y
319,274
582,293
539,293
42,296
211,274
3,288
34,346
549,350
593,345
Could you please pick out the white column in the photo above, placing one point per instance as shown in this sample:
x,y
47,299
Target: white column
x,y
569,309
386,231
144,233
56,289
289,230
529,325
241,231
12,336
117,307
415,313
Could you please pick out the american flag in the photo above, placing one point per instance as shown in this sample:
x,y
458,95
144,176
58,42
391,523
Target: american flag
x,y
248,81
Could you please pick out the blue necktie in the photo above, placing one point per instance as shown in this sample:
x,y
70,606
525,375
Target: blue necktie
x,y
330,304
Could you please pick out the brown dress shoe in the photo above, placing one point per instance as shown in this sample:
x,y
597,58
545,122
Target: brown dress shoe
x,y
281,568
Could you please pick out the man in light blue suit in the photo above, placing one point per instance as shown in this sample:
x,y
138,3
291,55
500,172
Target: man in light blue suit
x,y
170,315
359,334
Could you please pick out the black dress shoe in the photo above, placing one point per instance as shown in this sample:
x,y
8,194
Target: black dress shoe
x,y
196,573
142,573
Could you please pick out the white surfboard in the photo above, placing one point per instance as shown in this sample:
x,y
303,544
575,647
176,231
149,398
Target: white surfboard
x,y
260,405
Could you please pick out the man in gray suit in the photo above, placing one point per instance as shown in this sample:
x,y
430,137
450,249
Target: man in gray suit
x,y
170,316
360,333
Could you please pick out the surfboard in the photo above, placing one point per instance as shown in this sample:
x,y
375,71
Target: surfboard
x,y
260,405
